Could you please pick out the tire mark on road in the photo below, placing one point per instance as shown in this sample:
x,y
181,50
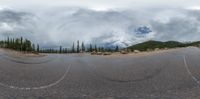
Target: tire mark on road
x,y
92,69
189,72
40,87
23,62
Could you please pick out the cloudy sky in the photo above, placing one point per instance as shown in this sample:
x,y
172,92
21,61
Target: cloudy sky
x,y
101,3
103,22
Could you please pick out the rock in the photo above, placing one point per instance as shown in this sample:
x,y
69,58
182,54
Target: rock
x,y
107,53
156,49
123,52
93,53
99,53
136,51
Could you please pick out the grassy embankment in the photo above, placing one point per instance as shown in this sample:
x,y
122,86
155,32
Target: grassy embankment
x,y
153,45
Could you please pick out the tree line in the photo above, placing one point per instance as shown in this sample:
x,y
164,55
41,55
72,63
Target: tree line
x,y
19,44
25,45
80,48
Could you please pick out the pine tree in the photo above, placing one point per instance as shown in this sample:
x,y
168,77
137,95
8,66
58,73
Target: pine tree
x,y
17,44
65,50
21,44
78,50
90,48
38,48
33,47
60,49
13,44
95,48
73,49
102,49
83,47
8,42
117,48
99,49
27,45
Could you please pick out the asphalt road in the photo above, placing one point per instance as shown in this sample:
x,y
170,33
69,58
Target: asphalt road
x,y
169,75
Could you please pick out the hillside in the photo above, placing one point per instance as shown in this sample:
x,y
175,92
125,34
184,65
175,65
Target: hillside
x,y
151,45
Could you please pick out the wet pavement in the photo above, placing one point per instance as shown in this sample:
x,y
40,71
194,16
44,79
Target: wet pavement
x,y
168,75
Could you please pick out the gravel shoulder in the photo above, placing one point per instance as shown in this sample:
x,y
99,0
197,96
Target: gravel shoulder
x,y
20,54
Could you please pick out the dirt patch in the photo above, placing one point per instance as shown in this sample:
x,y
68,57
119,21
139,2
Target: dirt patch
x,y
21,54
147,53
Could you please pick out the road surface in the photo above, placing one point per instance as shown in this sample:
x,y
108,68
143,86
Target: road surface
x,y
169,75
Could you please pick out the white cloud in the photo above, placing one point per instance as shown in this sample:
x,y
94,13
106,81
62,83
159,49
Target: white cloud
x,y
99,4
5,27
63,26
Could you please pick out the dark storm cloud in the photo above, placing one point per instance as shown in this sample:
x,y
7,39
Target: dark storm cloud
x,y
12,17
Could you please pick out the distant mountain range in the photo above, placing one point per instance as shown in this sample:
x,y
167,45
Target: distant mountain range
x,y
152,45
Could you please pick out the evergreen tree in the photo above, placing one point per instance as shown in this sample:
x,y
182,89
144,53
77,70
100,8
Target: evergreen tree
x,y
99,49
78,50
95,48
65,50
117,48
17,44
90,48
33,47
21,43
8,42
13,43
83,47
102,49
38,48
60,51
27,45
73,49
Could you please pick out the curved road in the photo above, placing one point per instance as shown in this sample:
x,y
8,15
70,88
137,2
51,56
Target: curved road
x,y
169,75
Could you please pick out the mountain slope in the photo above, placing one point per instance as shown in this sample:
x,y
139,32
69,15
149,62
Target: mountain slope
x,y
151,45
